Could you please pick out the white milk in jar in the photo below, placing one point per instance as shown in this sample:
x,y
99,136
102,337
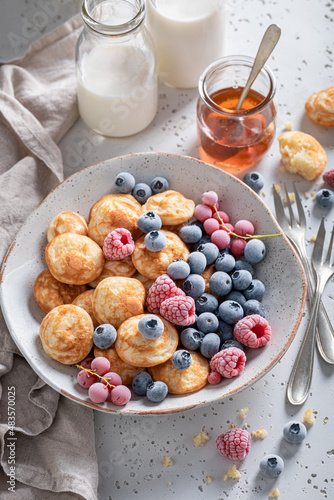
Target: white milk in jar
x,y
188,34
117,82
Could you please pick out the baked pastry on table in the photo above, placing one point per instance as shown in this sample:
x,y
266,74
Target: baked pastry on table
x,y
320,107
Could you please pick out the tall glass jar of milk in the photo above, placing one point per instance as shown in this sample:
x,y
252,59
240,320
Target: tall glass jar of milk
x,y
116,68
189,35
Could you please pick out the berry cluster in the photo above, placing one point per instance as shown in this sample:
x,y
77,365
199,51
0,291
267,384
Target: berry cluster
x,y
126,183
143,385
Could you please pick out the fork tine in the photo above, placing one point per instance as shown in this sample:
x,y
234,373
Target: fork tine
x,y
301,213
319,243
292,217
329,252
280,214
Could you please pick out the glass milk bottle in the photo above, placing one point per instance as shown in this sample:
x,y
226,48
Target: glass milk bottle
x,y
116,68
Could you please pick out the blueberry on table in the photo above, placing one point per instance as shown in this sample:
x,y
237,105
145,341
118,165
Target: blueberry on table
x,y
148,222
325,198
254,251
141,192
140,383
156,391
159,185
254,180
182,359
294,432
104,336
124,182
271,465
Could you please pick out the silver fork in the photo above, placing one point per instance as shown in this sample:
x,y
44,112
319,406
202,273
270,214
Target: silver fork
x,y
301,375
295,231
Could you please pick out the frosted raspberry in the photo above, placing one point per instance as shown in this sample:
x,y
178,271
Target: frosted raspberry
x,y
228,362
225,218
328,177
179,310
118,244
163,288
202,212
214,378
244,227
234,444
252,331
237,247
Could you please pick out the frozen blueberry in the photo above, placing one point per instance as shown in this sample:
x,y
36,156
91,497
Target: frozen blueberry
x,y
159,185
207,322
206,238
294,431
149,222
140,383
241,279
210,251
243,264
124,182
225,330
150,326
155,241
237,297
254,180
197,262
230,312
194,285
231,343
271,465
191,338
325,198
225,262
104,336
206,303
254,251
178,269
156,391
141,192
254,307
220,283
182,359
210,345
255,290
190,234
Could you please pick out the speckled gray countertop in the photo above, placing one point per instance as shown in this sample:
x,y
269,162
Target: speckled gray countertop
x,y
130,449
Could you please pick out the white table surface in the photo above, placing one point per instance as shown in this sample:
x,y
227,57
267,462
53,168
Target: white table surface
x,y
130,449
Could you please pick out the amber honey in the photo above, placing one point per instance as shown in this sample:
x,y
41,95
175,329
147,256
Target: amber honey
x,y
234,139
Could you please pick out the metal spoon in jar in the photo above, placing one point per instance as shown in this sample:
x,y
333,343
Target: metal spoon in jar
x,y
267,45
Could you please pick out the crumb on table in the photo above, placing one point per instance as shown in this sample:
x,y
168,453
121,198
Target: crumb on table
x,y
243,412
274,494
292,198
282,168
288,125
313,238
313,193
166,461
307,194
232,425
263,193
209,479
260,433
201,438
232,473
309,417
278,188
325,420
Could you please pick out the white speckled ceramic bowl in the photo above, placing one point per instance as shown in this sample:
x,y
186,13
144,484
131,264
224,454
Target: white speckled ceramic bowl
x,y
281,271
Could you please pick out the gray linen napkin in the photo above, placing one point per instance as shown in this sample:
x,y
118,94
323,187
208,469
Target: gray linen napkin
x,y
54,450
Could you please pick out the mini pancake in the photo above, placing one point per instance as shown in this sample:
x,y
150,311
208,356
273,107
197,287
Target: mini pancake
x,y
153,264
67,222
50,293
183,381
117,299
320,107
172,207
74,259
146,282
137,350
124,370
113,211
66,333
85,300
123,267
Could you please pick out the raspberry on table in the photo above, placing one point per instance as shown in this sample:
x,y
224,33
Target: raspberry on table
x,y
328,177
253,331
214,378
163,288
179,310
118,244
228,362
234,444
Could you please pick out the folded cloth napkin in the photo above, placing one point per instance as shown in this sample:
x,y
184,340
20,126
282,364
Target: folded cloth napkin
x,y
50,452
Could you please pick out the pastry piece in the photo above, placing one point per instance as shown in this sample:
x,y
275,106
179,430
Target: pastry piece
x,y
74,259
172,207
67,222
113,211
153,264
117,299
302,154
206,274
124,370
123,267
66,333
85,300
50,293
183,381
137,350
320,107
